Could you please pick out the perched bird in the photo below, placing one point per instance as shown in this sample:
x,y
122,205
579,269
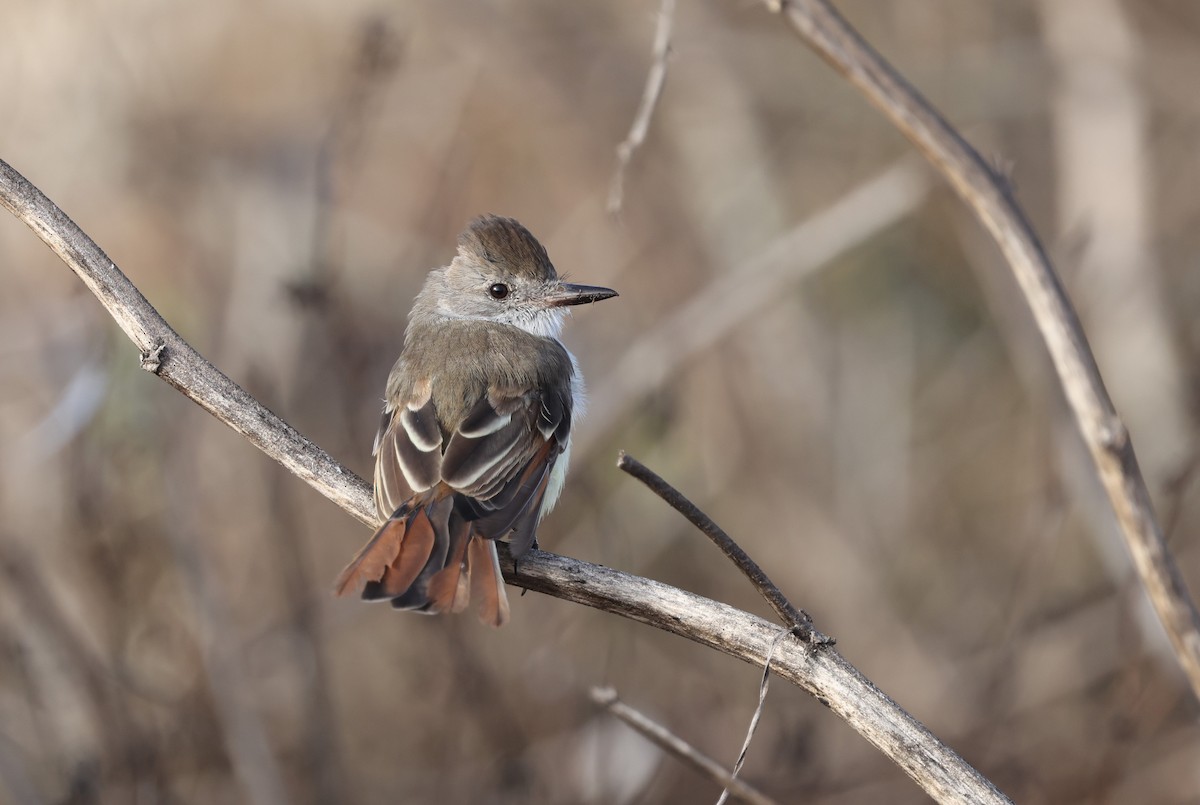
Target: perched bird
x,y
476,428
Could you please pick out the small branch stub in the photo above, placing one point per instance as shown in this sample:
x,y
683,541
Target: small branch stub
x,y
1114,436
152,358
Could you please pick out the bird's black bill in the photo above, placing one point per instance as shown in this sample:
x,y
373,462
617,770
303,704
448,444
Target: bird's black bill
x,y
571,294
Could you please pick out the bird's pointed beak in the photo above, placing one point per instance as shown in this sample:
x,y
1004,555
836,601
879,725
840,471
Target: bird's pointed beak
x,y
568,293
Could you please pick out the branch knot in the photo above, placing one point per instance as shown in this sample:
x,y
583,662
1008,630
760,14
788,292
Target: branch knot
x,y
1114,436
151,358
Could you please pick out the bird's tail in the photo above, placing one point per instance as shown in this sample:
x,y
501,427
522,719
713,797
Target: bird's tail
x,y
427,557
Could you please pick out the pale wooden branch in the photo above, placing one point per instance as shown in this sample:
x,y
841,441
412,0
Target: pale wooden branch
x,y
166,354
676,746
987,194
655,79
819,670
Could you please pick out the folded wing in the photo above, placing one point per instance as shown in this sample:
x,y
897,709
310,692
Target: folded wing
x,y
444,489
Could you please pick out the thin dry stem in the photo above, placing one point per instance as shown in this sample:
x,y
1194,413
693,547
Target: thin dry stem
x,y
655,79
763,685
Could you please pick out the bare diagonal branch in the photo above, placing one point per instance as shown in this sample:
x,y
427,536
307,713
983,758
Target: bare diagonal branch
x,y
987,194
166,354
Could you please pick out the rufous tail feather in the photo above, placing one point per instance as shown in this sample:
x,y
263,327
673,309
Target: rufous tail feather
x,y
429,558
487,585
444,587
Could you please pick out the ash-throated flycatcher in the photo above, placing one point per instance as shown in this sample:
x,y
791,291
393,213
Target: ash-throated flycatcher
x,y
476,428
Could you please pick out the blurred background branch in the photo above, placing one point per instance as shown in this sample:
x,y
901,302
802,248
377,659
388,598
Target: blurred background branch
x,y
663,737
655,79
734,297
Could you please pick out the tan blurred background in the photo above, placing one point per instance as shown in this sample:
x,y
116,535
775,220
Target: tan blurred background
x,y
864,403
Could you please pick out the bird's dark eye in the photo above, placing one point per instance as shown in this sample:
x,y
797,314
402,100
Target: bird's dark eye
x,y
498,291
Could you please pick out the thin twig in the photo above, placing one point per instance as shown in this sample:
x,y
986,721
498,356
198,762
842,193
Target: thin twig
x,y
825,674
799,622
655,80
792,617
674,745
763,685
1106,436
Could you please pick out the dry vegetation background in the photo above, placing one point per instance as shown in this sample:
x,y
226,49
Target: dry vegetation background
x,y
882,433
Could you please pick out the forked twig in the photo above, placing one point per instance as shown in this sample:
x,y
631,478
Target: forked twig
x,y
673,744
